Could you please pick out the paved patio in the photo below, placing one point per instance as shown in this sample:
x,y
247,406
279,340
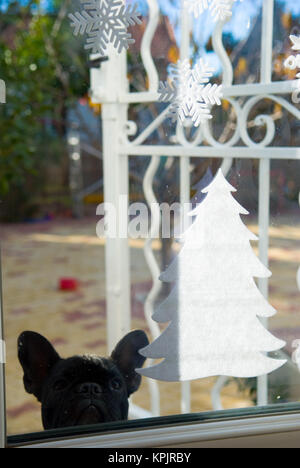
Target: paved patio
x,y
36,256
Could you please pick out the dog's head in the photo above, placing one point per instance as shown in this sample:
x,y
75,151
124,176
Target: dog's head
x,y
81,390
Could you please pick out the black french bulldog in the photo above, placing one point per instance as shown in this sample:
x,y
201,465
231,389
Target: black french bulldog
x,y
81,390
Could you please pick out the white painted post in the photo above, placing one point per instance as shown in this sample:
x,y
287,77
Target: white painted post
x,y
264,175
107,86
185,183
155,272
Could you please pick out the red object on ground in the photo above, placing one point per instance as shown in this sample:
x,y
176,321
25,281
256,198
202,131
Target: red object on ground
x,y
68,284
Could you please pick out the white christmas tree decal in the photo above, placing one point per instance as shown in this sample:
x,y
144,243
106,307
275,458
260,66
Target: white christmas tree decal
x,y
105,21
214,306
293,62
220,9
190,93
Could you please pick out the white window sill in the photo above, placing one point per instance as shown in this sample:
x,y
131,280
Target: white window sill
x,y
278,431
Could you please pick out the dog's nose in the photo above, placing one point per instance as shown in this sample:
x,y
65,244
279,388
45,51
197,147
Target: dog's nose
x,y
89,388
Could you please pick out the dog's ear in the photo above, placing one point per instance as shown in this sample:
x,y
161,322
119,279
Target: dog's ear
x,y
126,356
37,357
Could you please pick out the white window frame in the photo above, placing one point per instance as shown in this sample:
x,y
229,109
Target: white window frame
x,y
2,342
269,430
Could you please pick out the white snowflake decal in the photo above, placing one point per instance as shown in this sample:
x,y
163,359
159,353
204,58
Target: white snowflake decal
x,y
105,21
190,92
220,9
292,63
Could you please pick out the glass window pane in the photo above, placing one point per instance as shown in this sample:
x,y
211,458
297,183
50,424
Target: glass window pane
x,y
82,282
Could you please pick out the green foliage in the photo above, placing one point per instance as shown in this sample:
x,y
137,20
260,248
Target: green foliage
x,y
45,73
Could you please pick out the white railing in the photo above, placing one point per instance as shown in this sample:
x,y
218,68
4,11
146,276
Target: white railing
x,y
109,87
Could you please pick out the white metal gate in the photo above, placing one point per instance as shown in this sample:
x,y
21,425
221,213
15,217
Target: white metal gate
x,y
110,87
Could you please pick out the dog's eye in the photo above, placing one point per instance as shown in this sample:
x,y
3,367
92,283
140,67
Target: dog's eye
x,y
60,385
115,384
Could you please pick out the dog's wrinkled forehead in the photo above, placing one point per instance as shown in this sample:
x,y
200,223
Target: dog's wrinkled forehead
x,y
85,367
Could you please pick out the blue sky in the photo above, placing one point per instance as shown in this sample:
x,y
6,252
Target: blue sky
x,y
244,13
